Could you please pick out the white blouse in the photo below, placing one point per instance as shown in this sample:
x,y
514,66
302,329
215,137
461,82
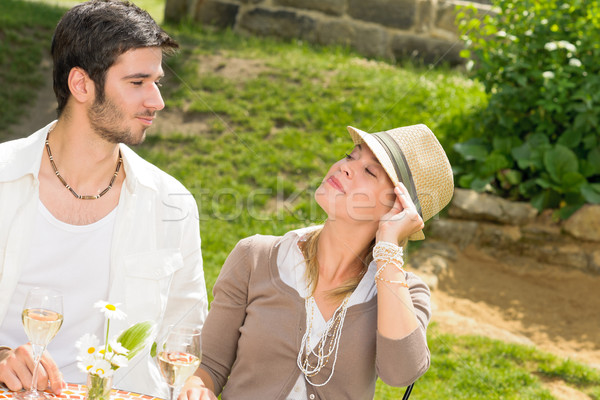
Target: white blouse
x,y
291,265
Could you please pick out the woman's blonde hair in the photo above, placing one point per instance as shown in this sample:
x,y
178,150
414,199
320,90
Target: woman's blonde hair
x,y
310,248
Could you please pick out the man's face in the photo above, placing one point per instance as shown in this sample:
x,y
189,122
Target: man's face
x,y
131,97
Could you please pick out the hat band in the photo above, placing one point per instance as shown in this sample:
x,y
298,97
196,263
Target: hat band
x,y
403,173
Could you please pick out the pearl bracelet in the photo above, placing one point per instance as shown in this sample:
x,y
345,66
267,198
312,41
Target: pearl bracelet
x,y
389,253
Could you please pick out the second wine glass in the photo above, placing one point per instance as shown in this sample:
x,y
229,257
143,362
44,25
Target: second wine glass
x,y
42,318
179,355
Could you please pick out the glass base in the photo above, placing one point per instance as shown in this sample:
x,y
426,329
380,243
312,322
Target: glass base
x,y
31,395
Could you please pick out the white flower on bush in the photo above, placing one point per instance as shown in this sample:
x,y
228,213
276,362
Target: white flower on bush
x,y
563,44
574,62
548,74
501,34
551,46
528,32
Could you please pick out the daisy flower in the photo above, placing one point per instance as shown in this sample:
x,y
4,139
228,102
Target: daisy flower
x,y
117,347
110,310
119,361
101,368
87,345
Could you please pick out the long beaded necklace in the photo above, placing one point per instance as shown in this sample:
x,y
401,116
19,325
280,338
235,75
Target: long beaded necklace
x,y
86,197
333,329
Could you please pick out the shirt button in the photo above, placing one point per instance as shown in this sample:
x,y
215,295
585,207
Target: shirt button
x,y
311,397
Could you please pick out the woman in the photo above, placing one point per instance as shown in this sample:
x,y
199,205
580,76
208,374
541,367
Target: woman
x,y
321,312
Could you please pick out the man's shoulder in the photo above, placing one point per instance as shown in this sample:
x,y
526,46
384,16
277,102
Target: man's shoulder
x,y
150,175
20,156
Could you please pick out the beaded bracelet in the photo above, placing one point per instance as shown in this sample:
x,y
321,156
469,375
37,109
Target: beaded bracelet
x,y
389,253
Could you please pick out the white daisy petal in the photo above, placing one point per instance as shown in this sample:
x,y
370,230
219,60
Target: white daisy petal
x,y
119,361
118,348
101,368
87,345
110,310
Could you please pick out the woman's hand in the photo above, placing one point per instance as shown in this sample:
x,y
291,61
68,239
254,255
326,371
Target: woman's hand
x,y
195,389
402,220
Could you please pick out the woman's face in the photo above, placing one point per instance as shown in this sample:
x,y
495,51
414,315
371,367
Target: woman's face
x,y
356,188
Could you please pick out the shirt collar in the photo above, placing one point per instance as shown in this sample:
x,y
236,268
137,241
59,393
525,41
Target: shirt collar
x,y
23,157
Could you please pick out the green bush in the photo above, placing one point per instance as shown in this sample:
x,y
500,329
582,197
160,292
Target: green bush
x,y
538,137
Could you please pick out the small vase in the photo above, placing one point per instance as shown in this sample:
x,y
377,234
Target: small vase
x,y
98,387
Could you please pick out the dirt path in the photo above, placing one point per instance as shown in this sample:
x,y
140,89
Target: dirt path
x,y
556,309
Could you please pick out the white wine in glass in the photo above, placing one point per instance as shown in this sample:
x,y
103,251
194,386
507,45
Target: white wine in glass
x,y
42,318
179,355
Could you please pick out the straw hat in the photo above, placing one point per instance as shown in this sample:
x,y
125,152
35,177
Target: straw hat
x,y
413,155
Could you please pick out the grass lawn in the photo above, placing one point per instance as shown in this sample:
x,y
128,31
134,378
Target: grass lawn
x,y
273,117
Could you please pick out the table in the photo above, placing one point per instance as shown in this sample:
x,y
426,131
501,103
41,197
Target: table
x,y
77,392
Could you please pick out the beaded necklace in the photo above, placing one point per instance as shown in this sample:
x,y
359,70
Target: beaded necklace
x,y
333,329
65,184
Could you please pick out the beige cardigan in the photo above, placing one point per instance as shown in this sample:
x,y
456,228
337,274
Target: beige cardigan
x,y
253,331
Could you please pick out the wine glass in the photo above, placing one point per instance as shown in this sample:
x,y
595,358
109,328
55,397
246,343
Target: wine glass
x,y
178,356
42,317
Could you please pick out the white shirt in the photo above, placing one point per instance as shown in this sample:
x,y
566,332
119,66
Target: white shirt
x,y
292,268
155,256
81,252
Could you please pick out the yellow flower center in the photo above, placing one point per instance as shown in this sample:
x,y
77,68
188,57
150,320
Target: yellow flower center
x,y
89,367
101,351
91,350
100,371
111,307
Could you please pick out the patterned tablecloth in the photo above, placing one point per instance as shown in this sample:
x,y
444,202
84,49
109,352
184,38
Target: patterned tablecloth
x,y
77,392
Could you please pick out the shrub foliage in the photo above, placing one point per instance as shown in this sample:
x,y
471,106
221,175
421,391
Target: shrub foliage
x,y
538,137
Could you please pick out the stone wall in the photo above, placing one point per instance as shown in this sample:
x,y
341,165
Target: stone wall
x,y
393,29
512,232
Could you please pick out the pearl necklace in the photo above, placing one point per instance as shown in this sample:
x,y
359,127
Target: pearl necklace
x,y
333,329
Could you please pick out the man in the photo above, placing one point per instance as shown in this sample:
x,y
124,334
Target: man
x,y
82,213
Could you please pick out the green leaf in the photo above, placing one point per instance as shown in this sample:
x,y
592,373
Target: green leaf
x,y
559,161
465,53
513,177
522,155
465,180
566,211
539,200
471,151
479,184
571,182
570,138
495,162
591,192
135,337
503,144
538,140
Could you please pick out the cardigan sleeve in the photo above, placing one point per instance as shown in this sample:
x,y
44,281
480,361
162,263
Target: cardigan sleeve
x,y
221,330
401,362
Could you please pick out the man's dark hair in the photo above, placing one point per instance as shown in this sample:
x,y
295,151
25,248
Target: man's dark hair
x,y
92,35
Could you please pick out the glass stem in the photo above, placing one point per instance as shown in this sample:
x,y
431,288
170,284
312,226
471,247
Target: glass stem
x,y
171,393
37,356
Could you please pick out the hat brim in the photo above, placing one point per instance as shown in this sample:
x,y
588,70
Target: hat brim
x,y
360,137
